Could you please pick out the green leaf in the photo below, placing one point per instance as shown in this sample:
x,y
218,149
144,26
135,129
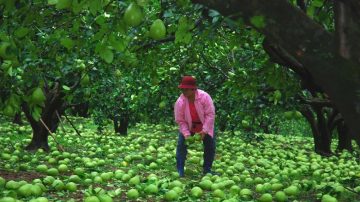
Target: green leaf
x,y
67,43
36,113
258,21
95,6
317,3
66,87
107,55
52,2
21,32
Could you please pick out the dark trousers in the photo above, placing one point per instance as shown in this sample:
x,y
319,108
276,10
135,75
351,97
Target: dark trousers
x,y
209,153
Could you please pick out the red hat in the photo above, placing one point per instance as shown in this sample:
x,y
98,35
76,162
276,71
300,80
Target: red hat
x,y
188,82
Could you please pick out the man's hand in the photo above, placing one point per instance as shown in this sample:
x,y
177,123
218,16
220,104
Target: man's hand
x,y
202,134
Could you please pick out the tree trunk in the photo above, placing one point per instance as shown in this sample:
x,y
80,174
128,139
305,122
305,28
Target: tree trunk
x,y
121,124
17,118
344,138
54,102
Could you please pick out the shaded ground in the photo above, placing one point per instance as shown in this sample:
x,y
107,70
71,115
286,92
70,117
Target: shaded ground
x,y
23,175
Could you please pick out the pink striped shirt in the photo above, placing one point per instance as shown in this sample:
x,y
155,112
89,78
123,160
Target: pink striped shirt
x,y
204,107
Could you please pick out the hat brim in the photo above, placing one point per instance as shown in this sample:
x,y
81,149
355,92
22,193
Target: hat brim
x,y
186,86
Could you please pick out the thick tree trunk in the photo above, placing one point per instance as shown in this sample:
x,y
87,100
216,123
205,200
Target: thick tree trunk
x,y
54,102
311,46
121,124
17,118
344,138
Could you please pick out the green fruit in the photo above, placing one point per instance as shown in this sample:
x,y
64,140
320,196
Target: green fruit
x,y
37,189
162,104
153,165
280,196
328,198
151,189
9,111
58,185
132,194
175,183
12,185
105,176
7,199
41,168
52,172
25,190
85,80
75,178
126,177
133,15
219,193
71,186
245,193
265,198
291,190
206,184
157,30
196,192
63,168
92,199
171,195
105,198
48,180
276,186
79,171
38,96
135,180
42,199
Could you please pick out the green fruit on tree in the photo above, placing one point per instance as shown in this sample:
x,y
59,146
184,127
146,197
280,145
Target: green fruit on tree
x,y
132,194
157,30
9,111
162,104
196,192
85,80
133,15
38,96
171,195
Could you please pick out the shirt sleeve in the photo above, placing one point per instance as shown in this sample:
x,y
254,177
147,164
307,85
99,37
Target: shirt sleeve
x,y
179,111
209,115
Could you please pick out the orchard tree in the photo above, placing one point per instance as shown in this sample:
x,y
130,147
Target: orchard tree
x,y
326,60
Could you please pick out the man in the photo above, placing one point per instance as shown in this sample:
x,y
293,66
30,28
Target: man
x,y
195,114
